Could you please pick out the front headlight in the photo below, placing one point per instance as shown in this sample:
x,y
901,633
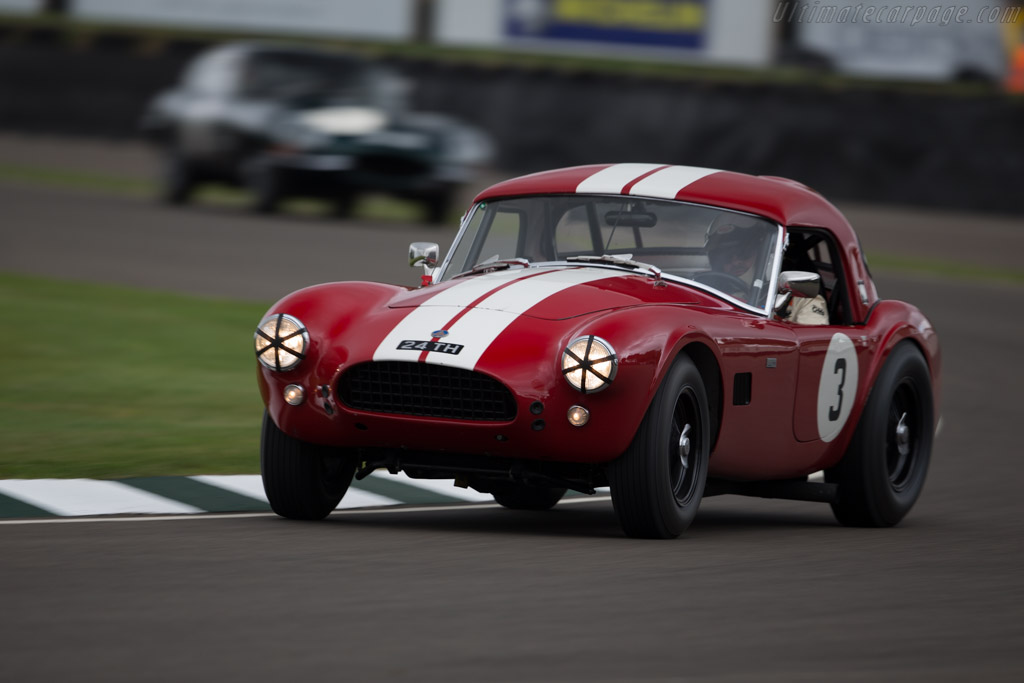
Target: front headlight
x,y
589,364
281,342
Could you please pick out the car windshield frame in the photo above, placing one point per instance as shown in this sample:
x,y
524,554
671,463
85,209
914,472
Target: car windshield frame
x,y
649,261
281,74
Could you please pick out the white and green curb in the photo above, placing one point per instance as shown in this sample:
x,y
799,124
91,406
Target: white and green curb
x,y
26,498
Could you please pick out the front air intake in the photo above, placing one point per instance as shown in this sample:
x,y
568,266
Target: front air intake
x,y
425,390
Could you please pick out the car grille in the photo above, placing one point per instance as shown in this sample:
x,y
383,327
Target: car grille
x,y
426,390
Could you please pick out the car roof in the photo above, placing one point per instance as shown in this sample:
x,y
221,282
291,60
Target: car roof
x,y
779,199
782,200
251,48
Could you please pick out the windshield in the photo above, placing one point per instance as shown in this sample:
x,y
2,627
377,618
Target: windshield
x,y
731,253
284,74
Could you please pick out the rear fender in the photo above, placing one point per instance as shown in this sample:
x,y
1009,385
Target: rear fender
x,y
897,322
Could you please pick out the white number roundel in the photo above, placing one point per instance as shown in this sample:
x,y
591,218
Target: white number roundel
x,y
837,387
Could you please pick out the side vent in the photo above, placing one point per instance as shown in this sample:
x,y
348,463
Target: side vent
x,y
741,384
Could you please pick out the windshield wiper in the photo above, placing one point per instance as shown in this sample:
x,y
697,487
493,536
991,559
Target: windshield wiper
x,y
611,260
496,264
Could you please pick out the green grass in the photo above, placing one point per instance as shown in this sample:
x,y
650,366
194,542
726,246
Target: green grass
x,y
75,180
946,269
102,381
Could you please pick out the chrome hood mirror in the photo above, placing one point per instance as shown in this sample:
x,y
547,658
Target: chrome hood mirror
x,y
424,254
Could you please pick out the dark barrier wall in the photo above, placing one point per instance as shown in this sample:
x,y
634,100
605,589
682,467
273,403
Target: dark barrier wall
x,y
964,151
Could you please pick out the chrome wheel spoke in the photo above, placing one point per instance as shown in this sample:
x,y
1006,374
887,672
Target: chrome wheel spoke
x,y
685,447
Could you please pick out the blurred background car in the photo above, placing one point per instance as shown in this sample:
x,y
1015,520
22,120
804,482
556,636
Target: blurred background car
x,y
287,121
709,83
922,41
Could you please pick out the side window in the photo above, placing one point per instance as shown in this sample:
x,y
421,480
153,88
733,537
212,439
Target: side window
x,y
815,250
213,74
821,257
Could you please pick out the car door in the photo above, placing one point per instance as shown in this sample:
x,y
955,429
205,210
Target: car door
x,y
830,356
207,93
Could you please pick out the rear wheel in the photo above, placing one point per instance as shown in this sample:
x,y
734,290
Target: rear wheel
x,y
517,496
177,178
343,204
882,474
658,483
302,480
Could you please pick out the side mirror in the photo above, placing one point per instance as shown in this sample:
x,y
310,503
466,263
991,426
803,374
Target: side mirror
x,y
800,282
796,282
424,254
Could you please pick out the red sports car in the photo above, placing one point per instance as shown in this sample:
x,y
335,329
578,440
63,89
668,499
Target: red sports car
x,y
669,332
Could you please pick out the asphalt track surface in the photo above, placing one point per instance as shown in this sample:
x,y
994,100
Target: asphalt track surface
x,y
756,589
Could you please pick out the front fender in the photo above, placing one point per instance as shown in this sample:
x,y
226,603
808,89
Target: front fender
x,y
647,340
327,311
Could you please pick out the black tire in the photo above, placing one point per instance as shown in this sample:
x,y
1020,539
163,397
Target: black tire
x,y
883,471
657,485
177,179
302,480
517,496
266,186
343,205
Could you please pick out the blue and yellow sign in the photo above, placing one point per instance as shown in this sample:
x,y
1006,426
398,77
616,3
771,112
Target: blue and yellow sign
x,y
652,23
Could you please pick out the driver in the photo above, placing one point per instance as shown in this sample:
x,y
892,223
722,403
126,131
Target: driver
x,y
732,246
804,310
733,243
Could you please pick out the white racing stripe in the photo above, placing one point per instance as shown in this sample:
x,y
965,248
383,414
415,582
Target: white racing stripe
x,y
612,179
436,311
668,182
71,497
472,288
477,329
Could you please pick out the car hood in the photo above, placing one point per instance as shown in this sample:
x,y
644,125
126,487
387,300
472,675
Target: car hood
x,y
545,293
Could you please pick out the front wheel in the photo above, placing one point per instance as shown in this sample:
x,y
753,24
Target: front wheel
x,y
302,480
266,185
178,178
882,474
657,485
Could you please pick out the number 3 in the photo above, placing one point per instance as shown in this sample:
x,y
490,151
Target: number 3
x,y
837,379
833,413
